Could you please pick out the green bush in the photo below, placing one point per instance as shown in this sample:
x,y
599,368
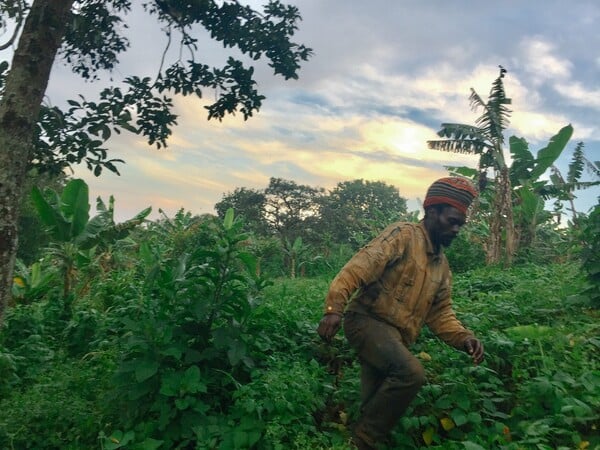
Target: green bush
x,y
466,252
61,409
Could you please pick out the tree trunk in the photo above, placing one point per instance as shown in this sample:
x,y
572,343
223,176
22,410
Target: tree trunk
x,y
258,264
26,84
494,244
293,266
509,220
502,222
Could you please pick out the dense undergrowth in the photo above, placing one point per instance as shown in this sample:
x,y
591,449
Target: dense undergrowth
x,y
174,341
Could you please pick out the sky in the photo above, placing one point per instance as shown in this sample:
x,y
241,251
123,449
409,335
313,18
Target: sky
x,y
383,77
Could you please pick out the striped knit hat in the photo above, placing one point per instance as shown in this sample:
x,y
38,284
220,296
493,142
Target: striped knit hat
x,y
454,191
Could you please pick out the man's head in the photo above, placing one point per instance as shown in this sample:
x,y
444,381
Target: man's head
x,y
446,205
458,192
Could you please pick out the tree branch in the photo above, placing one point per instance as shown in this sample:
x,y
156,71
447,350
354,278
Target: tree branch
x,y
19,24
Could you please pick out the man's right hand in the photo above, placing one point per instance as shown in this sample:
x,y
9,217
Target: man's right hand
x,y
329,326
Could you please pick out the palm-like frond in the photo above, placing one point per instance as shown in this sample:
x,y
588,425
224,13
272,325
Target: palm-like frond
x,y
495,117
461,131
580,185
593,167
470,146
523,160
561,187
485,138
460,138
577,164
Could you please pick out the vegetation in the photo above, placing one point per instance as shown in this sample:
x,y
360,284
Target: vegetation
x,y
177,340
88,36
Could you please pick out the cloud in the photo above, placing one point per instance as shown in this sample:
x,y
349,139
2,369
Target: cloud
x,y
579,94
542,64
535,126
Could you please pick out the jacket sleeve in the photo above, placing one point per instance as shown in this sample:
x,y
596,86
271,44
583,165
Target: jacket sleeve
x,y
442,320
365,267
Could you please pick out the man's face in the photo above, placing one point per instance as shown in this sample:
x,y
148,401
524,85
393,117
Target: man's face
x,y
446,225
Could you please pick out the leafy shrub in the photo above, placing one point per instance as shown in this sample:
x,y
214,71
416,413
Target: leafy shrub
x,y
282,399
186,344
466,252
24,337
59,411
8,372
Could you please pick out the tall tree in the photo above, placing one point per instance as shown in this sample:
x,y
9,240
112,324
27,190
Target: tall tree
x,y
248,204
291,209
486,139
88,34
354,211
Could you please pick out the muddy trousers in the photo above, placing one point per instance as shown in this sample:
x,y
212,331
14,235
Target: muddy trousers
x,y
390,375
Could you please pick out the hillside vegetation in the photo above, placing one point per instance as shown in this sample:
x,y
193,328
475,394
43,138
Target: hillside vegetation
x,y
171,335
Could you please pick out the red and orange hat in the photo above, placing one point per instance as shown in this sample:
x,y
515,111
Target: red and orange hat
x,y
454,191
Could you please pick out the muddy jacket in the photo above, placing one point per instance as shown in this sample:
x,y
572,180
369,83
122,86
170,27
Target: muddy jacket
x,y
399,279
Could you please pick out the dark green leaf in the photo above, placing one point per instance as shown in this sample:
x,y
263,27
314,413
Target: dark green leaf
x,y
51,216
145,370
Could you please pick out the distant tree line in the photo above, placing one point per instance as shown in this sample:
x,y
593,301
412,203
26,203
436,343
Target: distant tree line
x,y
302,220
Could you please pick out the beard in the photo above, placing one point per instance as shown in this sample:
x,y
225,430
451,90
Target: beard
x,y
446,240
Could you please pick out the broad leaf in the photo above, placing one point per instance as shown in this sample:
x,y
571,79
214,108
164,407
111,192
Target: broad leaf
x,y
249,261
447,423
75,206
148,444
192,382
50,216
142,214
428,435
549,154
463,170
534,331
523,160
472,446
228,221
170,384
145,369
237,351
531,203
459,417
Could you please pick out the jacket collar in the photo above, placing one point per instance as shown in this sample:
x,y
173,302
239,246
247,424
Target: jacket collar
x,y
431,253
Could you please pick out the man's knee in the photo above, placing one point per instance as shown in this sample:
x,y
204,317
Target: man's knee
x,y
409,373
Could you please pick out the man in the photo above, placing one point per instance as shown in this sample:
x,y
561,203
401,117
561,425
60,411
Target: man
x,y
393,286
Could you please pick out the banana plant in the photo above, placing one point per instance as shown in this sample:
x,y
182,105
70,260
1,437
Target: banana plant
x,y
526,168
294,252
529,190
75,236
31,283
486,139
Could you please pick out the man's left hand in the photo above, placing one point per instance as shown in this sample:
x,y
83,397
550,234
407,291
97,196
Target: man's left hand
x,y
474,348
